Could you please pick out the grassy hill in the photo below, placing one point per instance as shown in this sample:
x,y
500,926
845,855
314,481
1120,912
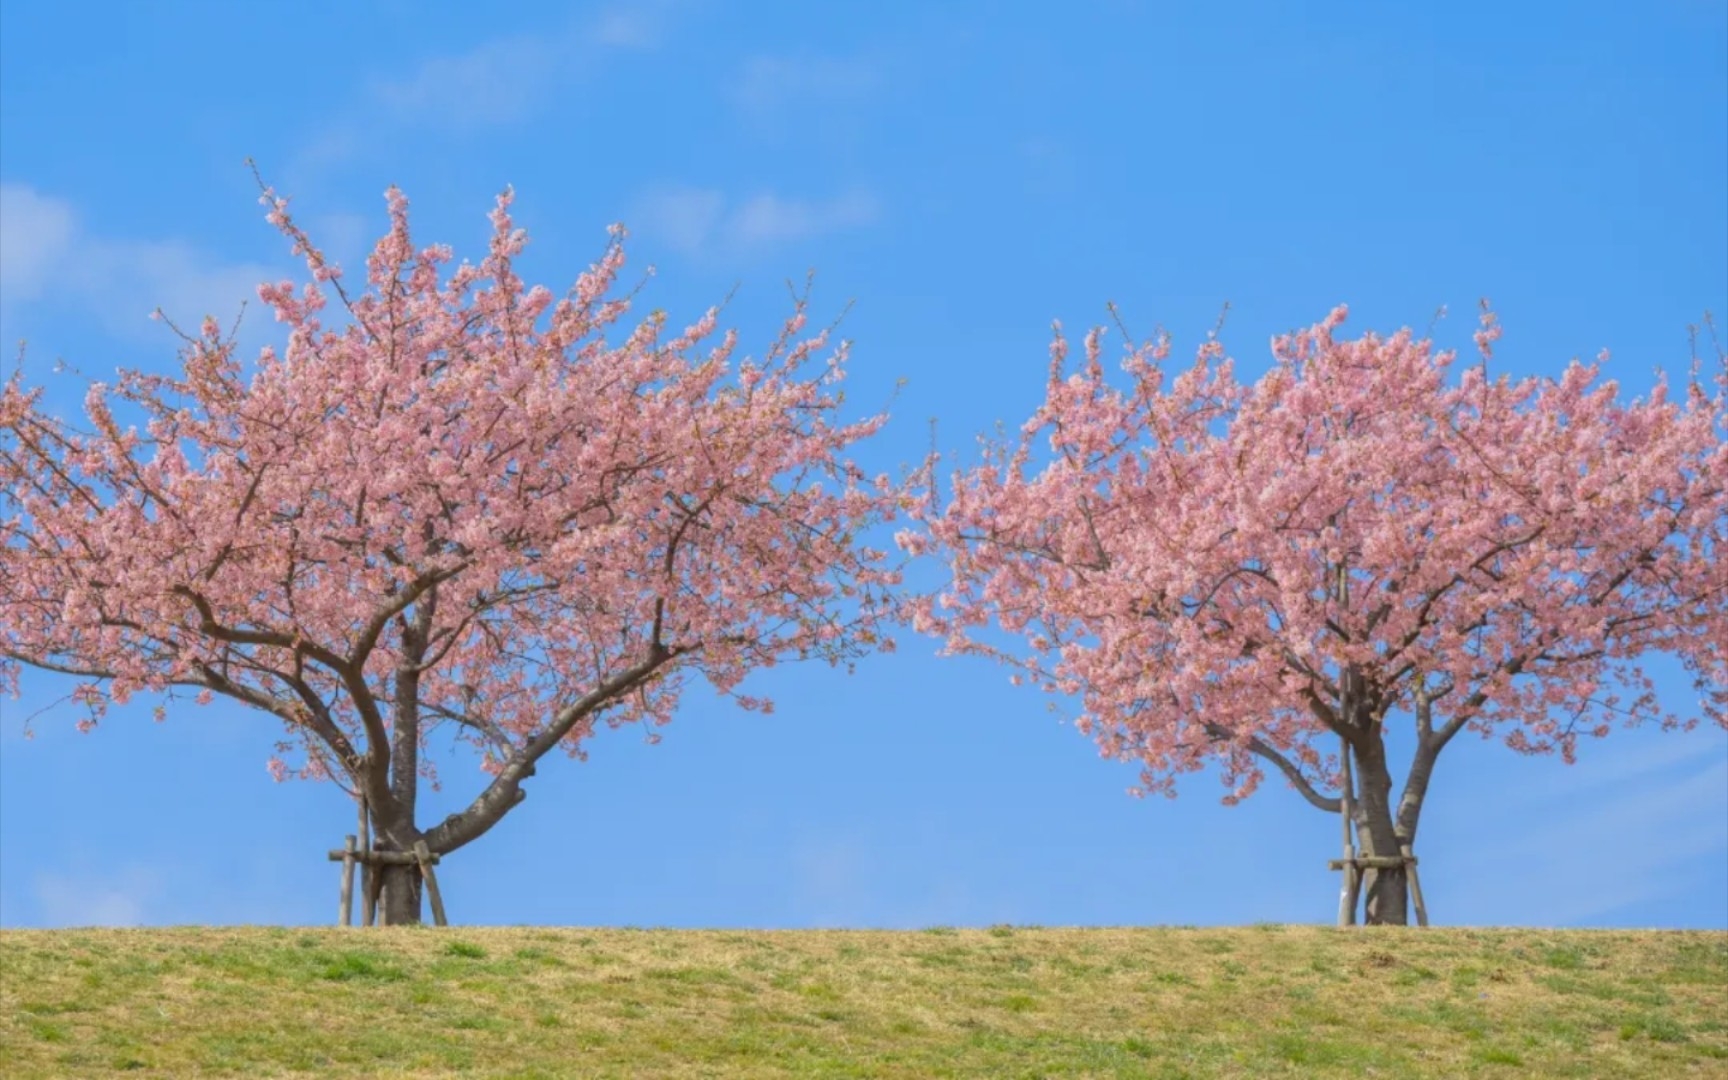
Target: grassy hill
x,y
1003,1002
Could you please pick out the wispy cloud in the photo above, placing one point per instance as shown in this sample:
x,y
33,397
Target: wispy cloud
x,y
769,84
639,26
1643,814
496,83
507,79
46,256
764,220
36,233
121,898
703,224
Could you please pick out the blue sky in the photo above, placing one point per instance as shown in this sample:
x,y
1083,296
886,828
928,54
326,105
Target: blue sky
x,y
964,173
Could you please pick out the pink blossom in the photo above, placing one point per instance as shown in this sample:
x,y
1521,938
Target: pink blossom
x,y
460,490
1241,574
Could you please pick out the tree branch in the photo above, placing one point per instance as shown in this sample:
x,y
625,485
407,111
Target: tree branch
x,y
62,669
505,790
1265,750
377,758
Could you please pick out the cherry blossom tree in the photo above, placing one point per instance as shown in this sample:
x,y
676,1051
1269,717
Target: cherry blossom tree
x,y
462,507
1251,575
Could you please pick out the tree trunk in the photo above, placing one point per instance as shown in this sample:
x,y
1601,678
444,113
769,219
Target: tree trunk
x,y
400,904
399,901
1388,897
1387,888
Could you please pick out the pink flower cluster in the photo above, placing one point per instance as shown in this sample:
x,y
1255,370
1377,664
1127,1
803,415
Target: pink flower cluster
x,y
465,503
1206,562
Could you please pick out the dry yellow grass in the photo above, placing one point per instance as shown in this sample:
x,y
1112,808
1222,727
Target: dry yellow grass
x,y
1003,1002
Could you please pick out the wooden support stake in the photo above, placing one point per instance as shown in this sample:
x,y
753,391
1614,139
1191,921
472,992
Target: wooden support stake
x,y
1374,862
426,858
1352,883
368,879
349,851
369,903
381,858
1415,887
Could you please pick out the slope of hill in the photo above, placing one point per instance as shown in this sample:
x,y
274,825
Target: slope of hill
x,y
1003,1002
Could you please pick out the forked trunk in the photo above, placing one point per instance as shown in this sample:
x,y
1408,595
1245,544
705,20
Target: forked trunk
x,y
400,903
1386,889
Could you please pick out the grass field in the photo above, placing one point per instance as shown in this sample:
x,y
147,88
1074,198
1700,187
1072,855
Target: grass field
x,y
1003,1002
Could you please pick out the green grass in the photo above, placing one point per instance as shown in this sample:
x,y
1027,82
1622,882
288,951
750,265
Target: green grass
x,y
1003,1002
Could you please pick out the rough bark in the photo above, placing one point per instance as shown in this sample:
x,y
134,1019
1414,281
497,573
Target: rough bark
x,y
396,828
400,903
1387,890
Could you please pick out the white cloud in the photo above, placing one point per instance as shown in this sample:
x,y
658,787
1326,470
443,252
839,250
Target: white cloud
x,y
769,219
682,218
497,82
35,235
48,257
172,275
1642,815
119,899
505,80
701,224
769,84
1610,763
637,27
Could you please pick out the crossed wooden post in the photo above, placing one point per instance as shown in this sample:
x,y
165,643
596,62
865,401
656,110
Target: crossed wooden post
x,y
1353,864
358,851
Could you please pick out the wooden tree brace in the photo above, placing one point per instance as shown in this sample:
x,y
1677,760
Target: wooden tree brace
x,y
426,859
381,858
1415,887
350,851
368,880
1363,862
420,858
1381,862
